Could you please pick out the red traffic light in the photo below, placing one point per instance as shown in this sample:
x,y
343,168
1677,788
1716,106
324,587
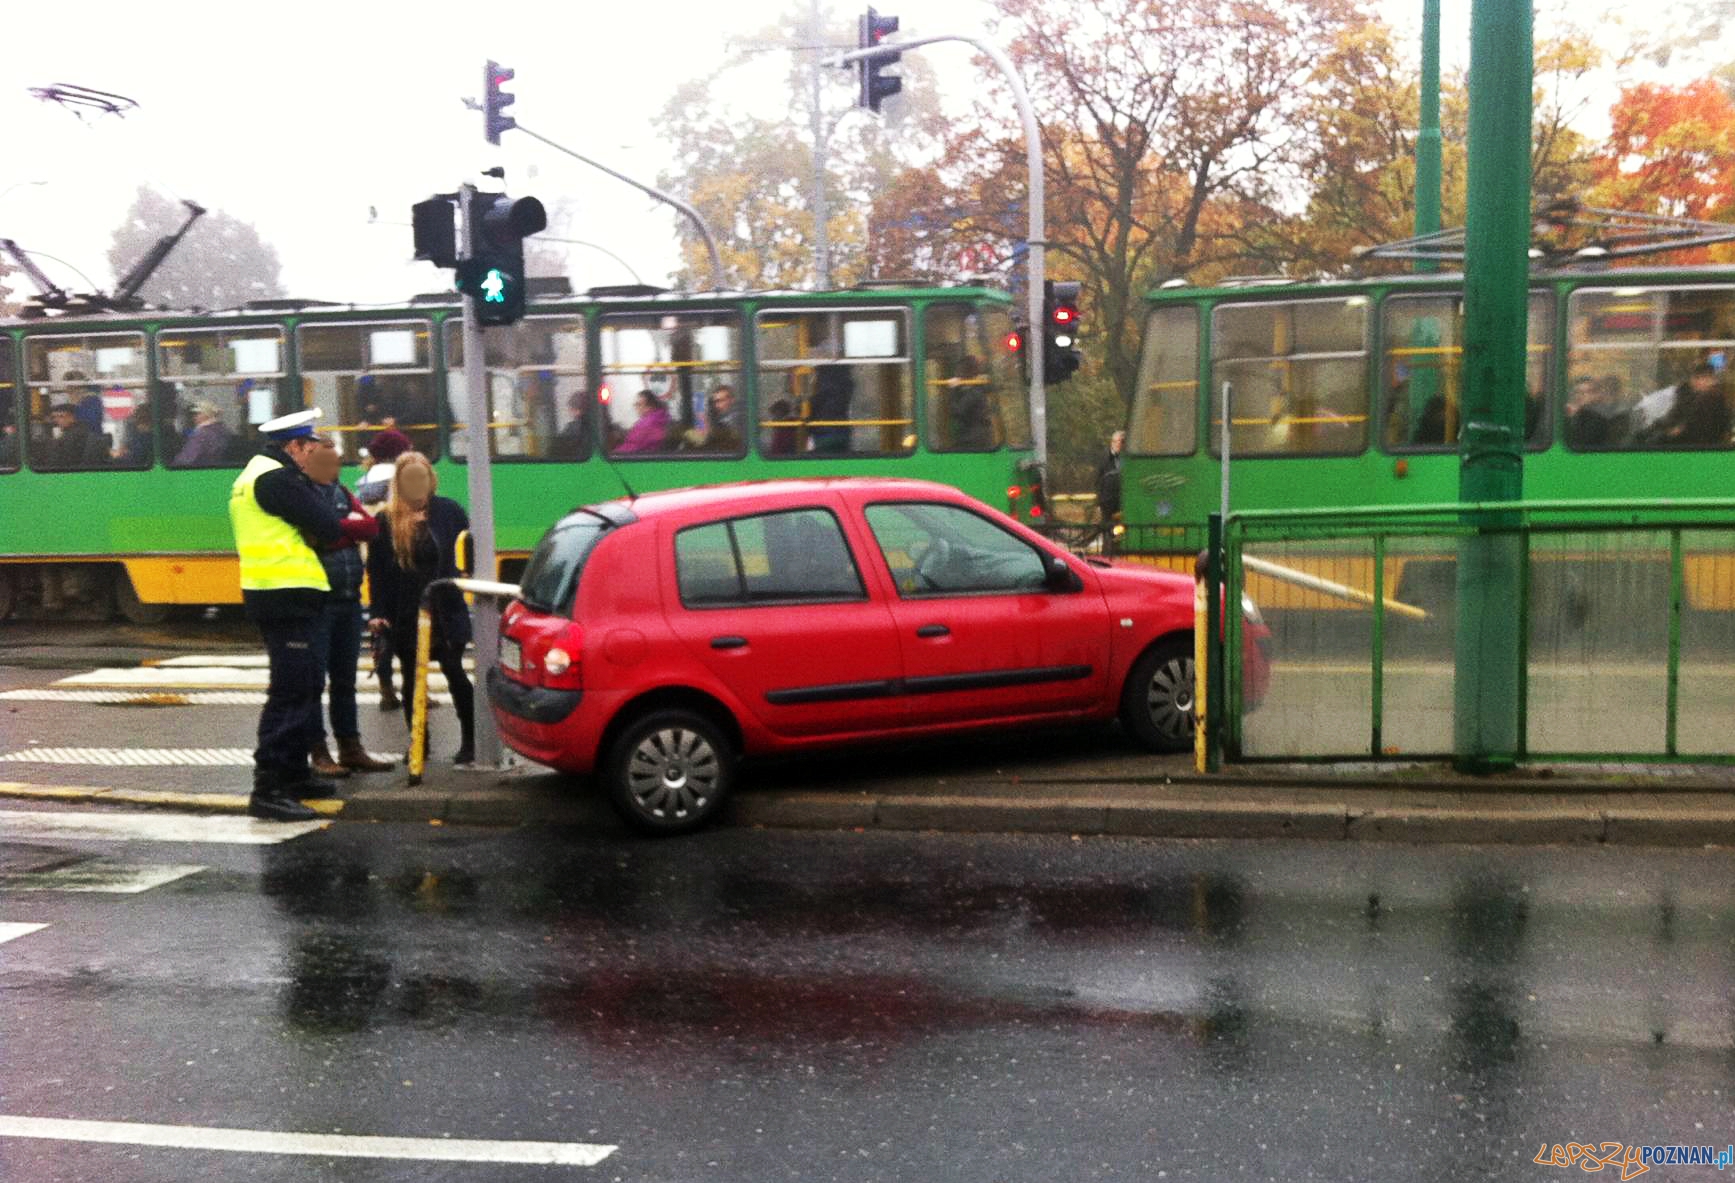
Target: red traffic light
x,y
1063,315
1013,342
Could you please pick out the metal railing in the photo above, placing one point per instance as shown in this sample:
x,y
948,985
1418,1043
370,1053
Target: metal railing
x,y
1625,613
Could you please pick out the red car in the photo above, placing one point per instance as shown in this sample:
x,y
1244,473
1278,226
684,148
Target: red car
x,y
659,640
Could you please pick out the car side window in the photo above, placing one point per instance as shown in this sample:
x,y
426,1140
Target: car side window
x,y
945,550
796,556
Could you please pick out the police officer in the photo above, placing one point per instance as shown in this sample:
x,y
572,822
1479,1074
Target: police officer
x,y
279,519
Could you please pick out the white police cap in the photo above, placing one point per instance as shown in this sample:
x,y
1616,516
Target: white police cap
x,y
289,427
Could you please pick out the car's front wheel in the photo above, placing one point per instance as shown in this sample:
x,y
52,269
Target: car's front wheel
x,y
669,772
1158,706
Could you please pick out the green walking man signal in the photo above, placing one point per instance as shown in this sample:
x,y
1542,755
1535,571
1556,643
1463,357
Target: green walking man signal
x,y
493,276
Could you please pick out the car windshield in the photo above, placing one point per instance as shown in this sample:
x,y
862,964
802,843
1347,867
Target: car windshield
x,y
551,577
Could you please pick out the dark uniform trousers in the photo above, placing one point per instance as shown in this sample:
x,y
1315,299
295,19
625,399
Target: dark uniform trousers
x,y
290,722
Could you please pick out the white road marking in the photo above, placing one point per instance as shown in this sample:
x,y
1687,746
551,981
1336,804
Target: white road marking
x,y
107,876
128,1133
151,827
252,661
136,757
190,698
156,677
11,931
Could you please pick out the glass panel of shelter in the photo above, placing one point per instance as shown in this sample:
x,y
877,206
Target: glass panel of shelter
x,y
368,376
835,382
538,398
83,392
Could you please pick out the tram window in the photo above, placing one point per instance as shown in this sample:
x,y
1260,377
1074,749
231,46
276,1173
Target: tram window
x,y
538,398
1649,368
976,402
1165,414
1298,376
671,384
368,377
835,383
87,404
218,386
1422,364
10,451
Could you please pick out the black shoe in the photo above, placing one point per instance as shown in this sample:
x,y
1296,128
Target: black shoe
x,y
278,809
389,701
465,755
312,788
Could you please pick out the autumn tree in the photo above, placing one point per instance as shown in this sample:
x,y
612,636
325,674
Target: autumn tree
x,y
1671,150
221,263
751,174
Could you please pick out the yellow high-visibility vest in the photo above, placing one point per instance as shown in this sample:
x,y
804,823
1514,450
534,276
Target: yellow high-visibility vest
x,y
274,555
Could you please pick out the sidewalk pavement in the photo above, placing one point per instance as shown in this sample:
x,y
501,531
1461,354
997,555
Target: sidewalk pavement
x,y
1582,805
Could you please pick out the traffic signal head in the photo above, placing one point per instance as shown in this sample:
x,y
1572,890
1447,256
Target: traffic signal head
x,y
495,101
876,88
435,226
1060,356
493,275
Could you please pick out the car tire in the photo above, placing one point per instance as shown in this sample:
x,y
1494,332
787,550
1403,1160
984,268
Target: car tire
x,y
1157,703
669,772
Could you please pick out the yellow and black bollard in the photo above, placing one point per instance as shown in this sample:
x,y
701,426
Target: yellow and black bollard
x,y
419,703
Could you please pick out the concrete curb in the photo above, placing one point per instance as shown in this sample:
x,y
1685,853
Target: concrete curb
x,y
1110,813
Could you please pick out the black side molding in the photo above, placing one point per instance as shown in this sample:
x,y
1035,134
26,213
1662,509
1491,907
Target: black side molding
x,y
932,684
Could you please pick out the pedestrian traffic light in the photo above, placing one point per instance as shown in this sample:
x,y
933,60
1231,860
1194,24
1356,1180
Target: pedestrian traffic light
x,y
492,276
1014,343
495,100
1060,356
876,88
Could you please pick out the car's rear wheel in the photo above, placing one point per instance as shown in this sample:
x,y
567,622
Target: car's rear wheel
x,y
669,772
1158,705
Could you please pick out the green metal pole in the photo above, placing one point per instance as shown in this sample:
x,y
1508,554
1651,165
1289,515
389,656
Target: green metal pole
x,y
1489,643
1428,170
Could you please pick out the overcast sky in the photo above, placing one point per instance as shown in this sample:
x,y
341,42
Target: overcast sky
x,y
299,117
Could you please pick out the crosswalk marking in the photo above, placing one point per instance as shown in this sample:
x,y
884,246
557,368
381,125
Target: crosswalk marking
x,y
12,930
108,876
136,757
156,677
254,661
192,698
150,827
189,1137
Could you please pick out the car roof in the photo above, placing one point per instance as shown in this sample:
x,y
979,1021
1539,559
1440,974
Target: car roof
x,y
746,496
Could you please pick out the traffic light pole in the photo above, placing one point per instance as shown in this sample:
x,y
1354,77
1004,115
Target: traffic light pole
x,y
1036,232
668,198
485,613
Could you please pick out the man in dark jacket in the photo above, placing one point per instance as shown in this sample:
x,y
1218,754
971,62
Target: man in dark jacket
x,y
1108,487
280,517
73,446
337,636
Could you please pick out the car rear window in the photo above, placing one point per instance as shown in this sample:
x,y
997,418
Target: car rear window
x,y
551,577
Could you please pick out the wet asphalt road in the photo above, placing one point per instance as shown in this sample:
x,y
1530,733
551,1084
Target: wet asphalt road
x,y
780,1006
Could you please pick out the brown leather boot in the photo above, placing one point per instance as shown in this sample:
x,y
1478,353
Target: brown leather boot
x,y
351,754
323,765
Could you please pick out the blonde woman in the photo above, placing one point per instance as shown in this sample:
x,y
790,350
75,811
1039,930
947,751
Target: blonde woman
x,y
417,544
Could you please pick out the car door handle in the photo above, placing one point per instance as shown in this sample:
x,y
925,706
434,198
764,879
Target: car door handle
x,y
933,630
728,642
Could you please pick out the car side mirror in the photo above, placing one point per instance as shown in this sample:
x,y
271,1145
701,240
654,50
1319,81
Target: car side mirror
x,y
1058,575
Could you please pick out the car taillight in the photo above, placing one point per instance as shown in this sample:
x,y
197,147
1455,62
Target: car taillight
x,y
561,663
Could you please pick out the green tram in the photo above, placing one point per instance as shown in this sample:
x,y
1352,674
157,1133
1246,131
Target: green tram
x,y
1345,393
120,495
